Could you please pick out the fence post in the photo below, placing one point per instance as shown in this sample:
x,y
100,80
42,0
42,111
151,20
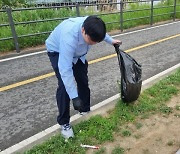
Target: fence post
x,y
121,15
11,23
152,6
77,10
174,17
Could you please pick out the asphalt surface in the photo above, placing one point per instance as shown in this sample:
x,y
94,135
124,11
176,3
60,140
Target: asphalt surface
x,y
31,108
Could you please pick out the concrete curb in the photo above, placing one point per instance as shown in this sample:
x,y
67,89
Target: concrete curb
x,y
100,108
178,152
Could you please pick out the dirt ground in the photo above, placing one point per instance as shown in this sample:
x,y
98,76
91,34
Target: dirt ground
x,y
158,134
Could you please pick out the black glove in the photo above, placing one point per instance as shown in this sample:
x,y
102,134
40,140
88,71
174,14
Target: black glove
x,y
77,103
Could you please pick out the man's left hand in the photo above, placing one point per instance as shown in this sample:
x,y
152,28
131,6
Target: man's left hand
x,y
116,42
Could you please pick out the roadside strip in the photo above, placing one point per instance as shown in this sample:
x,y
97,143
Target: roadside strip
x,y
122,34
90,62
99,108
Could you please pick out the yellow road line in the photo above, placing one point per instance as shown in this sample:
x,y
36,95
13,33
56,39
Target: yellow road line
x,y
26,81
90,62
133,49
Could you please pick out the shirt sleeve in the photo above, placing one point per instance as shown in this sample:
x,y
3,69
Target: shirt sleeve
x,y
108,39
65,68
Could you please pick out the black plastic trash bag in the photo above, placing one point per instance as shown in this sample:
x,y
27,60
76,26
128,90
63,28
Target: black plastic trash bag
x,y
131,72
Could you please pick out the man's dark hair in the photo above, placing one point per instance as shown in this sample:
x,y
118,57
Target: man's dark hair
x,y
95,28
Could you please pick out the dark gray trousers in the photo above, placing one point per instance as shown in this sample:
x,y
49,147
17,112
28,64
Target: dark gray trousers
x,y
80,71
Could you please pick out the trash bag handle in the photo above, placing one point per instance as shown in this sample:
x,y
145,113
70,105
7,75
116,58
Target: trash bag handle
x,y
116,46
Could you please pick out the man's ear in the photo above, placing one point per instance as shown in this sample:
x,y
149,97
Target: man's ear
x,y
82,30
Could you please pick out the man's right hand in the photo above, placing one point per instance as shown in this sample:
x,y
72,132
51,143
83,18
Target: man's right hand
x,y
77,103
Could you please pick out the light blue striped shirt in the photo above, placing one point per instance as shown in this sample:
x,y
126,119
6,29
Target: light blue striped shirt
x,y
67,39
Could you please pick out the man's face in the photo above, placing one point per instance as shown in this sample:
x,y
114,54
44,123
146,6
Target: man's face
x,y
87,38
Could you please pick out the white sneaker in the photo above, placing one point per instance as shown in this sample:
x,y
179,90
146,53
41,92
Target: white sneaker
x,y
67,131
84,113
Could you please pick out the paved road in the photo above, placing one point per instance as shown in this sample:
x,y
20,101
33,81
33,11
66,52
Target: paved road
x,y
31,108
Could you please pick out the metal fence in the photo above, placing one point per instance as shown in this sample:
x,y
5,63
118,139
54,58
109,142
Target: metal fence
x,y
117,7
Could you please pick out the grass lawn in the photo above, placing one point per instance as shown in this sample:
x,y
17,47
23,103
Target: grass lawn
x,y
102,129
163,13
